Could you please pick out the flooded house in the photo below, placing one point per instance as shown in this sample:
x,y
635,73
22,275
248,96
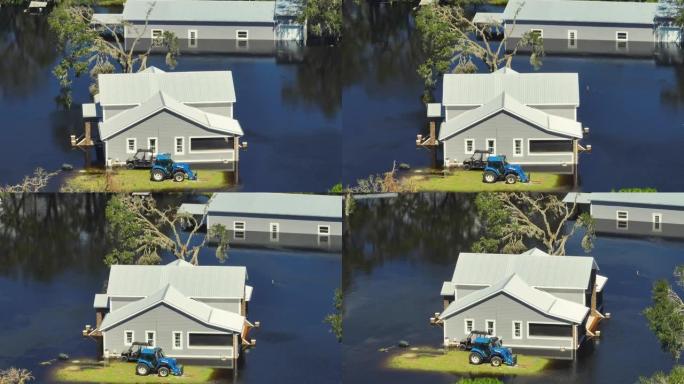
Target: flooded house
x,y
634,213
191,312
536,303
531,118
275,219
186,114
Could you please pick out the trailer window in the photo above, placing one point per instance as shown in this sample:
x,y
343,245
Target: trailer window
x,y
549,330
199,144
209,340
550,146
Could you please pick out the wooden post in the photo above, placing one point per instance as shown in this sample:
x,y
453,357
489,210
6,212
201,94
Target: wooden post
x,y
235,353
88,139
593,298
433,133
575,165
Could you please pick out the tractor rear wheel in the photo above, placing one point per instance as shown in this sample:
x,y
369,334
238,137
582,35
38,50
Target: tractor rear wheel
x,y
163,371
489,177
130,165
142,370
511,178
157,175
178,177
475,358
466,166
496,361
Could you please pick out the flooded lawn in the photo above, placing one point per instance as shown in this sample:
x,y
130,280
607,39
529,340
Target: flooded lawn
x,y
288,105
51,249
400,250
634,105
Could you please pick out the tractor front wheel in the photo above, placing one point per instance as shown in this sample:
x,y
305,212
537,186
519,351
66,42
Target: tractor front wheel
x,y
462,347
163,371
178,177
489,177
475,358
157,175
496,361
142,370
511,178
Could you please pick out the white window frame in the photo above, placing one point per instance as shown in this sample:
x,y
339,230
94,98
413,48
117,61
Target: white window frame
x,y
530,153
156,144
175,145
572,31
192,44
569,338
618,39
237,223
493,333
274,229
324,233
154,338
228,347
657,226
465,146
237,34
541,32
493,151
465,326
135,145
161,33
226,151
513,336
173,340
239,234
619,220
126,332
522,148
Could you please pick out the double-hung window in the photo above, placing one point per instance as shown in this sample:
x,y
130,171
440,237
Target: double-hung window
x,y
622,219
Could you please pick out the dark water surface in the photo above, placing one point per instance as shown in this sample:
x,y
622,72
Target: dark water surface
x,y
51,249
399,251
289,109
634,104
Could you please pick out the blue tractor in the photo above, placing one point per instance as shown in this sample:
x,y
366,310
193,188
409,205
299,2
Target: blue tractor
x,y
498,169
164,168
152,360
489,349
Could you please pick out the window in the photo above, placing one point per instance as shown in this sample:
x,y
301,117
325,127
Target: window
x,y
572,39
129,338
548,330
211,144
192,38
131,145
657,222
490,327
622,219
177,340
157,37
468,325
241,34
151,338
549,146
324,230
491,146
469,146
179,147
209,340
239,229
517,329
152,144
517,147
538,32
242,44
274,228
621,36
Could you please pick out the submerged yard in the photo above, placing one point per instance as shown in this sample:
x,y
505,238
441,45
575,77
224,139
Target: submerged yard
x,y
138,180
456,362
471,181
120,372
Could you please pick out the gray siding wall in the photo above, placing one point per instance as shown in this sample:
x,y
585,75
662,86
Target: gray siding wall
x,y
504,310
465,290
504,128
165,127
230,305
576,296
204,32
568,112
221,109
452,111
110,111
258,224
164,321
640,220
118,302
584,32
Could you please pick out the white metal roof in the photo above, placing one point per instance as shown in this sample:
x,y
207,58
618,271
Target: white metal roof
x,y
110,19
186,87
600,282
89,110
434,110
193,209
542,271
200,11
191,281
517,288
172,297
101,301
473,89
581,11
279,204
488,18
507,103
161,101
674,199
447,289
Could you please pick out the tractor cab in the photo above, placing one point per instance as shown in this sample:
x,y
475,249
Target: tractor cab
x,y
498,169
478,160
133,352
152,360
163,168
489,349
467,343
143,158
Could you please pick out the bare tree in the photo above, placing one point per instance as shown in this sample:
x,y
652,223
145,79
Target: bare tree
x,y
387,182
15,376
34,183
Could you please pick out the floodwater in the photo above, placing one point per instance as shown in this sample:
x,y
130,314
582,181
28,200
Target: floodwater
x,y
632,102
399,251
51,253
289,108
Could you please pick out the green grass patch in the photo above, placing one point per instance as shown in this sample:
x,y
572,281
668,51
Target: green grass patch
x,y
456,362
119,372
138,180
471,181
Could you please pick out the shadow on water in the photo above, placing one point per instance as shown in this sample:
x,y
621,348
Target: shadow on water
x,y
398,251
